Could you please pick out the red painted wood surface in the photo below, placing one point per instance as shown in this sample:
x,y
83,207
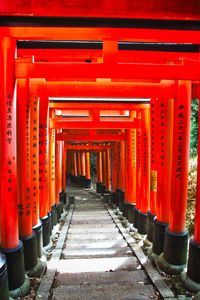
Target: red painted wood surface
x,y
87,164
34,157
145,161
23,159
44,158
165,143
130,166
154,155
197,208
139,164
8,159
99,167
52,167
83,166
101,8
182,110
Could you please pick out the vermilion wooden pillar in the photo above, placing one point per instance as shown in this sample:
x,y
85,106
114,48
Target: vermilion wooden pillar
x,y
154,155
52,175
99,172
24,175
52,154
34,165
121,165
57,171
192,280
108,170
164,160
44,169
121,175
23,159
87,171
9,241
58,167
130,191
145,171
78,167
138,171
83,169
114,172
75,166
64,177
34,158
175,246
153,167
104,171
64,167
60,158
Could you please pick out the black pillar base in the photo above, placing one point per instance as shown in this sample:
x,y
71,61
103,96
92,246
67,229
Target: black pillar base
x,y
87,183
30,251
82,181
175,247
193,270
117,198
59,211
159,230
142,223
50,221
131,208
71,200
4,291
125,209
39,242
113,198
72,179
68,176
107,197
103,189
150,222
77,180
64,198
15,266
61,202
46,230
121,199
62,207
98,187
61,196
54,215
136,213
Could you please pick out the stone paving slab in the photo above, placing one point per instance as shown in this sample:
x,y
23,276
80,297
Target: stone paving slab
x,y
93,216
96,244
86,226
83,209
77,229
94,236
122,277
96,252
102,292
97,265
92,221
94,213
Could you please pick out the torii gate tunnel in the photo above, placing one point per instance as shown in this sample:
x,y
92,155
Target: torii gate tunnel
x,y
117,84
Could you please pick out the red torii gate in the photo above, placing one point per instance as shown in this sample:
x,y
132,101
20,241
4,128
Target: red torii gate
x,y
166,71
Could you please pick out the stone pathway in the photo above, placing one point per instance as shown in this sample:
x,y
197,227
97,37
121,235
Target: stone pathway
x,y
96,261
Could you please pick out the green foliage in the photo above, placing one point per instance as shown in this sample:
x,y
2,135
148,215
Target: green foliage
x,y
194,128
